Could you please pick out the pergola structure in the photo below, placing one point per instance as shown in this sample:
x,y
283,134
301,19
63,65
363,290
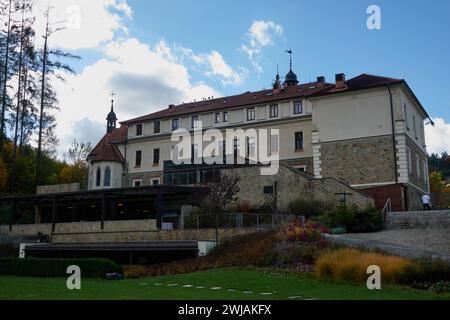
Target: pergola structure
x,y
147,202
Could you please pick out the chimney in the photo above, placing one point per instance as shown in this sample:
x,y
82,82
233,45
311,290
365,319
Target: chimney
x,y
340,81
171,106
320,82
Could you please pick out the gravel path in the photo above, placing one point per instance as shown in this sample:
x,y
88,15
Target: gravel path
x,y
436,240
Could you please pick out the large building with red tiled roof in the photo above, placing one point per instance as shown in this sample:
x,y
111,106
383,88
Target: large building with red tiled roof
x,y
367,132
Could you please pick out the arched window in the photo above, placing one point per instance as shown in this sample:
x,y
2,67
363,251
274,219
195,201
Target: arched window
x,y
98,177
107,179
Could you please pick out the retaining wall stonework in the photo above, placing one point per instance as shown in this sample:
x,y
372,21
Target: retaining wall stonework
x,y
359,161
418,219
291,185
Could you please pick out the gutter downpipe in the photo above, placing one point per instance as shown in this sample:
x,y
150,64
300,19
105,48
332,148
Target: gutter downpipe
x,y
393,134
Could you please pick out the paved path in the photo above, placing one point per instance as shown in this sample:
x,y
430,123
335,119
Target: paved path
x,y
411,243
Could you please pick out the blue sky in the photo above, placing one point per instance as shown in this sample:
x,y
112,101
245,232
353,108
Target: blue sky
x,y
327,37
192,48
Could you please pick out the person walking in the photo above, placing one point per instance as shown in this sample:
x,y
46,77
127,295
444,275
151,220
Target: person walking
x,y
426,202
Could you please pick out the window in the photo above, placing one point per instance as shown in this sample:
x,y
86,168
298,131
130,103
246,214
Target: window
x,y
298,107
406,116
155,156
175,124
274,111
98,177
225,116
139,129
250,114
274,144
251,147
301,168
138,159
137,183
157,127
409,160
298,141
418,166
217,119
107,178
155,182
414,126
195,121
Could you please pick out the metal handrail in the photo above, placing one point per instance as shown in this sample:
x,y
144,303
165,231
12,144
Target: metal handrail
x,y
386,210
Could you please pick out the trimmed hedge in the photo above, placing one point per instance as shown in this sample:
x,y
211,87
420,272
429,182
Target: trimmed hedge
x,y
37,267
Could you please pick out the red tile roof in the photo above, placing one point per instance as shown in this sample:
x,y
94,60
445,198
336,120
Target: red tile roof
x,y
245,99
106,150
363,81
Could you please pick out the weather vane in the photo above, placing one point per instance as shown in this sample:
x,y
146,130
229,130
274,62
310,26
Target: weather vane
x,y
290,54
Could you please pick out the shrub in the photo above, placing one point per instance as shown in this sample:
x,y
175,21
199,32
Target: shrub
x,y
134,271
351,265
426,271
244,250
33,267
8,250
353,219
309,232
308,208
441,287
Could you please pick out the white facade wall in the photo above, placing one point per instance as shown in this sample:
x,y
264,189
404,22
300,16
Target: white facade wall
x,y
116,175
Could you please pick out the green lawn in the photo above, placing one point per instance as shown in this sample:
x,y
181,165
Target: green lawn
x,y
230,283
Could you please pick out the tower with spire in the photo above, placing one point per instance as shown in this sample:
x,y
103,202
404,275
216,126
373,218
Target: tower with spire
x,y
277,82
291,77
111,119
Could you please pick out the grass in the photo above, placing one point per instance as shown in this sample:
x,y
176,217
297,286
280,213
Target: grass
x,y
246,283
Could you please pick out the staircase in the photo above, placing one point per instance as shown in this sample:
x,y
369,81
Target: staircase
x,y
437,219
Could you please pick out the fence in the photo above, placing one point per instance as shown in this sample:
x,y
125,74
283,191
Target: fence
x,y
229,221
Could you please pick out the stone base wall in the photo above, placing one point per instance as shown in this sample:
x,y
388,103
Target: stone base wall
x,y
81,228
418,219
414,197
359,161
142,236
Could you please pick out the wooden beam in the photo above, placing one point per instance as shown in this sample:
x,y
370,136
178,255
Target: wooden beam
x,y
104,210
13,215
55,209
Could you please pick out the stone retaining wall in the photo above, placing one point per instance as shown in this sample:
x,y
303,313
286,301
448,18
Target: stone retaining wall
x,y
418,219
80,228
137,236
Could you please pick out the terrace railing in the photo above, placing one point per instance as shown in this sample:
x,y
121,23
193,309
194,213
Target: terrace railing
x,y
229,221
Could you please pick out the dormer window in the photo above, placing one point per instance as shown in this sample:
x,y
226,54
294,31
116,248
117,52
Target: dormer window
x,y
139,130
175,124
250,114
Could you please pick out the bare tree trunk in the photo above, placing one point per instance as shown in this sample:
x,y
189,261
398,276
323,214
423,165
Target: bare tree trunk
x,y
19,89
41,115
5,79
24,110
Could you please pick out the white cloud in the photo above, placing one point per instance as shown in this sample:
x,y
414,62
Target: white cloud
x,y
144,78
260,34
438,137
87,23
214,65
